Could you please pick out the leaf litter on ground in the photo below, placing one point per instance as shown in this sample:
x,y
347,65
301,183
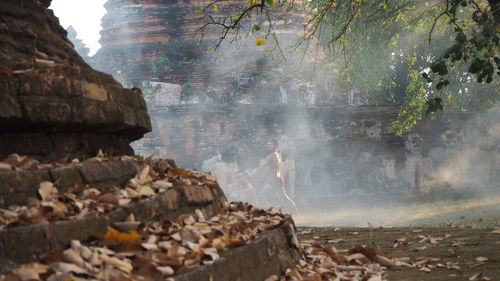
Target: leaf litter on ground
x,y
83,200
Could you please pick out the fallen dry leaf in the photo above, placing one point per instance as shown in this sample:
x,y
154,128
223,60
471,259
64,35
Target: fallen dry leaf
x,y
272,278
418,249
30,271
481,259
425,269
5,167
479,277
113,234
109,198
47,191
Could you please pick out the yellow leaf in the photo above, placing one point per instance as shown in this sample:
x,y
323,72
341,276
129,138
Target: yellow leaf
x,y
343,39
215,8
218,244
445,16
113,234
258,41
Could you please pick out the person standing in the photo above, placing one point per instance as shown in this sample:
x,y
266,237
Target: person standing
x,y
269,181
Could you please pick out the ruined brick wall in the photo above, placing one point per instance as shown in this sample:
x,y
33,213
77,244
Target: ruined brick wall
x,y
144,40
343,147
325,142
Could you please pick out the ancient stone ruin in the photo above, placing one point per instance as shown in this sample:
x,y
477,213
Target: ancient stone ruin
x,y
335,150
144,41
75,203
246,99
52,104
66,200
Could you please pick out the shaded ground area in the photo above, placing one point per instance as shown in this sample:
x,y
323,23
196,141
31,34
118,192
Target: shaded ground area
x,y
423,253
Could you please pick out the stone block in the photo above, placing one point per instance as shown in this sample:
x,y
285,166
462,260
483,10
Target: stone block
x,y
145,209
31,85
171,199
23,243
46,109
117,215
17,186
5,263
273,246
128,97
25,143
116,171
193,194
46,85
9,107
165,94
94,91
62,232
211,210
161,165
207,194
65,177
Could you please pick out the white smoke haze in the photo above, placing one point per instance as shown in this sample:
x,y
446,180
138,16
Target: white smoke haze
x,y
341,163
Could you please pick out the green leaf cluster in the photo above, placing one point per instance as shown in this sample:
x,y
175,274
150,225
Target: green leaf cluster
x,y
384,51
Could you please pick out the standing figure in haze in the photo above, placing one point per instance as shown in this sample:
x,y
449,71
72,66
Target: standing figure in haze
x,y
224,166
270,183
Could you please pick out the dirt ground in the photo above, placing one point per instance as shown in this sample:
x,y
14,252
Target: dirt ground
x,y
437,253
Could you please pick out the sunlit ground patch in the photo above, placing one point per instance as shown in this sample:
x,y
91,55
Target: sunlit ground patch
x,y
475,213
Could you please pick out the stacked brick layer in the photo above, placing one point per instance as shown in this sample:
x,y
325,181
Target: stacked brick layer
x,y
17,187
52,104
162,40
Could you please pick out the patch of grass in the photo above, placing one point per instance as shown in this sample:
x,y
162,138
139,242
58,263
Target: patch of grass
x,y
371,243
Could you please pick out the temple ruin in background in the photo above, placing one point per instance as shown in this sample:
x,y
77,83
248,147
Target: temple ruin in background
x,y
240,95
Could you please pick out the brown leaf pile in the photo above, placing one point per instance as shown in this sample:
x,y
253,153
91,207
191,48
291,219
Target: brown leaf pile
x,y
328,263
15,162
155,251
84,200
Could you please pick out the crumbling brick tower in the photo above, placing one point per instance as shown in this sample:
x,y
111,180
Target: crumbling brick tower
x,y
52,104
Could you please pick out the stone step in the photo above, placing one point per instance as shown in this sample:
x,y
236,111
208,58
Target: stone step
x,y
183,197
245,244
17,185
271,253
56,236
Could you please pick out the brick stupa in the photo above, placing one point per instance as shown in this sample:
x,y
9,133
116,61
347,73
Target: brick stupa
x,y
52,104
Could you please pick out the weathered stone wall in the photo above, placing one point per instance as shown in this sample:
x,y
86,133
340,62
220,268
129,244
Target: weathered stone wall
x,y
333,148
338,147
52,104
